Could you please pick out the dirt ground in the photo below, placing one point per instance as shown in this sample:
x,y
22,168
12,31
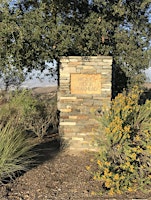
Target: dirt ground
x,y
60,175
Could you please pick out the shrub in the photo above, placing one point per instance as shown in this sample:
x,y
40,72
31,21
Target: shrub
x,y
32,113
45,116
20,105
15,150
125,146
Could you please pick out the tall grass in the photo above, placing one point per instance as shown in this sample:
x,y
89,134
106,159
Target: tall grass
x,y
15,151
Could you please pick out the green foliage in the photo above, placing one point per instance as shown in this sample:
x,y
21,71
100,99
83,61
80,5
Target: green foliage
x,y
37,31
31,113
15,150
11,34
125,145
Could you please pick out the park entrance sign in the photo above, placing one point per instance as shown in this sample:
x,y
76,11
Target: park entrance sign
x,y
85,83
84,87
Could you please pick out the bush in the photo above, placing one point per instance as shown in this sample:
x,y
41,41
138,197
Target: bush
x,y
44,117
15,150
32,113
20,105
124,160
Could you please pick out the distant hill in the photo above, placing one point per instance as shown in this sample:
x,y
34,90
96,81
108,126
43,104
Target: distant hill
x,y
147,85
44,90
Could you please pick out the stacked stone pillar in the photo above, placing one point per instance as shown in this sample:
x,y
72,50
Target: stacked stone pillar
x,y
84,87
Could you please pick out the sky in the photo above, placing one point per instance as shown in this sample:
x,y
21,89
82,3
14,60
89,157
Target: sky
x,y
42,81
32,81
148,74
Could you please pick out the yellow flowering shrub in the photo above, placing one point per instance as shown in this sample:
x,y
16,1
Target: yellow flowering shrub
x,y
124,160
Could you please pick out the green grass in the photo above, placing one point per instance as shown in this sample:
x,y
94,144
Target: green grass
x,y
15,151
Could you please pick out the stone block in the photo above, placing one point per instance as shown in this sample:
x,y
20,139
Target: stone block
x,y
67,123
68,70
77,138
68,98
65,110
78,71
88,71
73,117
74,63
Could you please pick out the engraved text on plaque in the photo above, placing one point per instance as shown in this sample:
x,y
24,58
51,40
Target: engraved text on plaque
x,y
85,83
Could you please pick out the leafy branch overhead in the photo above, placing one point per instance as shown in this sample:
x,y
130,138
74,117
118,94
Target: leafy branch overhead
x,y
33,32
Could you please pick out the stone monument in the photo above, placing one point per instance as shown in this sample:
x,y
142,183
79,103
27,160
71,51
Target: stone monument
x,y
84,87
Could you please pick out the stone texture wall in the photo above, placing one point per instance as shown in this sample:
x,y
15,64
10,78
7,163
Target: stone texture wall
x,y
84,86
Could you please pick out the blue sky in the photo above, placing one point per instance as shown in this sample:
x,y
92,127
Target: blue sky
x,y
42,81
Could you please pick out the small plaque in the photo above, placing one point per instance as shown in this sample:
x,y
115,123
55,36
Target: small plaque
x,y
85,83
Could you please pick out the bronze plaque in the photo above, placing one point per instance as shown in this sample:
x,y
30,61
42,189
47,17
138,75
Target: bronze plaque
x,y
85,83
